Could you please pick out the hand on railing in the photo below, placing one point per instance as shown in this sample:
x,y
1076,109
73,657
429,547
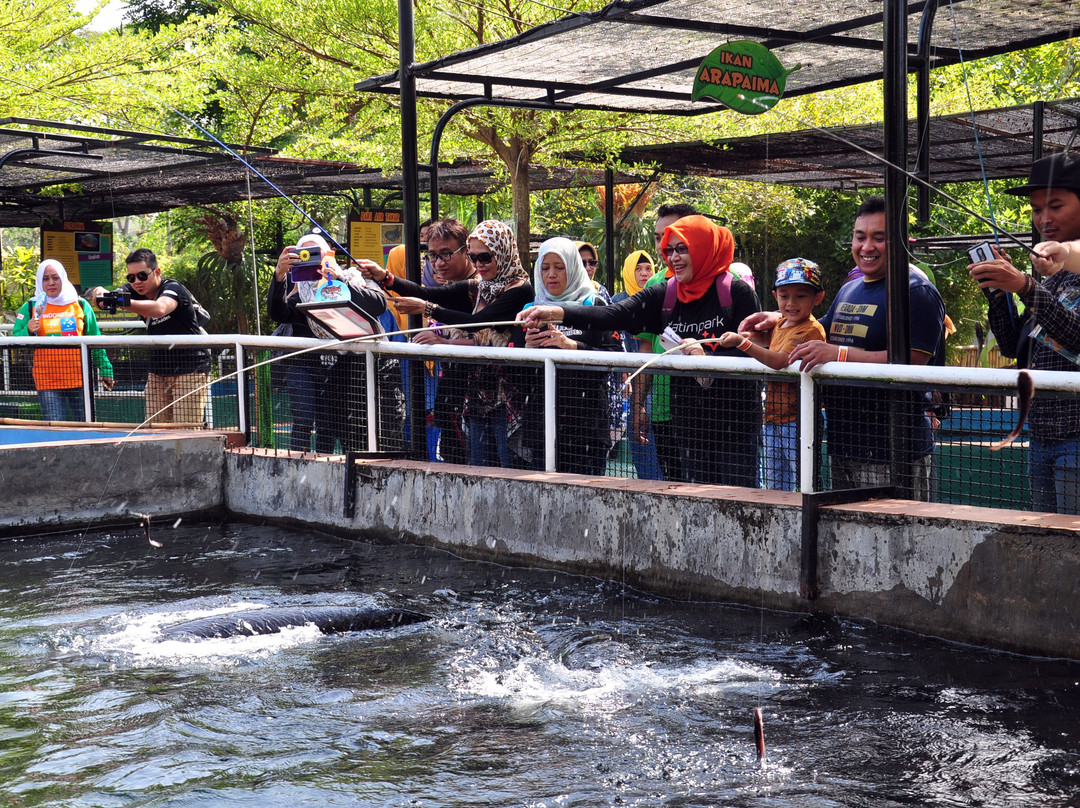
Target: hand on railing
x,y
537,316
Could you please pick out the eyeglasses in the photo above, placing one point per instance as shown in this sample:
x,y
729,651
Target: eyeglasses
x,y
138,276
590,262
679,249
481,258
444,256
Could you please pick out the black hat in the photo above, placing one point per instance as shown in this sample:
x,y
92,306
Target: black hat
x,y
1061,170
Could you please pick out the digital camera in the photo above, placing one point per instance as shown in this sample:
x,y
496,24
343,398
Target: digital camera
x,y
111,300
307,268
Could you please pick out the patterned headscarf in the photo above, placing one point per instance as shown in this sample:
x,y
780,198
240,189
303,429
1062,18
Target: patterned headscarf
x,y
711,249
499,239
67,295
629,270
579,288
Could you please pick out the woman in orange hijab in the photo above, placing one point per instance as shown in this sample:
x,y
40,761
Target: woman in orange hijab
x,y
720,421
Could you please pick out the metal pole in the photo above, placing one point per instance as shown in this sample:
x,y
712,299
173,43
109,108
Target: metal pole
x,y
922,107
807,424
87,386
609,226
372,400
895,153
241,393
410,205
550,424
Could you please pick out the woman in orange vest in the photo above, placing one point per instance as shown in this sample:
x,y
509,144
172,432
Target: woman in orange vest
x,y
58,311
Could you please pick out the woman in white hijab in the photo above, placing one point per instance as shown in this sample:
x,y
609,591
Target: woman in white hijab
x,y
58,311
581,396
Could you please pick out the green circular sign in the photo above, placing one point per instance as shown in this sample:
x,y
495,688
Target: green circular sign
x,y
743,75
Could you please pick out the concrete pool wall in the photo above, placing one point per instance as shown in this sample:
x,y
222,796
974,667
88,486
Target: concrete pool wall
x,y
995,578
1002,579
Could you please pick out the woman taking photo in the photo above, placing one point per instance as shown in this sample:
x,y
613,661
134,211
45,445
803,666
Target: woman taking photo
x,y
497,394
321,384
719,421
581,395
58,311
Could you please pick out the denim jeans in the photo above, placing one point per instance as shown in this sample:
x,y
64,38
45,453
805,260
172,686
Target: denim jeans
x,y
56,405
1054,466
489,444
781,456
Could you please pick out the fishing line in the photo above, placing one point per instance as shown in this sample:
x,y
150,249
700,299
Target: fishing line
x,y
892,165
974,126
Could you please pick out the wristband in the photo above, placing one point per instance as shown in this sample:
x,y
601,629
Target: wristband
x,y
841,356
387,280
429,309
745,344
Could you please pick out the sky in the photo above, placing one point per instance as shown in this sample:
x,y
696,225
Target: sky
x,y
109,17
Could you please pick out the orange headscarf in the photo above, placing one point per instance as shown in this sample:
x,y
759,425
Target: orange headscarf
x,y
711,249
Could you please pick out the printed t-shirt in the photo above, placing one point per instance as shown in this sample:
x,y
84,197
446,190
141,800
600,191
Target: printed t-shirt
x,y
857,417
782,398
181,320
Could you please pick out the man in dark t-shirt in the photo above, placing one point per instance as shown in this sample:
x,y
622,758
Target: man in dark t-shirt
x,y
177,382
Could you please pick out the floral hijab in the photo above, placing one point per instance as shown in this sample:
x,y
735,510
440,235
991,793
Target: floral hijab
x,y
499,238
579,289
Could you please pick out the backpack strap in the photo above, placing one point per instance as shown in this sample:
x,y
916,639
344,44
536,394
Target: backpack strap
x,y
723,291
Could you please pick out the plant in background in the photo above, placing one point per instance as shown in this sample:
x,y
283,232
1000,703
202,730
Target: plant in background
x,y
17,282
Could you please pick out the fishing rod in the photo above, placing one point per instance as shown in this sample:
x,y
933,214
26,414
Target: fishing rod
x,y
994,226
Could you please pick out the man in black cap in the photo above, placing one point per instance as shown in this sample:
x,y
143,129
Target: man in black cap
x,y
1047,335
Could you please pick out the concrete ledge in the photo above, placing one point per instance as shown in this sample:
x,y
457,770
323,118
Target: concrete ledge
x,y
92,483
977,575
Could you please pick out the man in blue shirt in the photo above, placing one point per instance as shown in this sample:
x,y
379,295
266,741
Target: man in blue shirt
x,y
857,417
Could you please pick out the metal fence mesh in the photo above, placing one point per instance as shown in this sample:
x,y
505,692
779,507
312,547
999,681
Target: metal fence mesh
x,y
716,428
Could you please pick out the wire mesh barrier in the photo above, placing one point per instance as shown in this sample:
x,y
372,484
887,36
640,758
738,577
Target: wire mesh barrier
x,y
928,433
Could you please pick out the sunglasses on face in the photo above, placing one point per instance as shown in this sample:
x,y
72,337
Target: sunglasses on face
x,y
481,258
590,262
138,276
444,256
680,249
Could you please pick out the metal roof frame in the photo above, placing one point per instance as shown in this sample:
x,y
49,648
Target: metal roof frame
x,y
839,44
99,173
828,157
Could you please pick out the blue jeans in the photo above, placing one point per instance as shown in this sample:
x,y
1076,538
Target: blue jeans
x,y
306,382
646,462
489,444
781,456
56,404
1054,466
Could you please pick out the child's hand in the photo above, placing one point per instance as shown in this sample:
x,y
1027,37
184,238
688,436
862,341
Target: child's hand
x,y
729,339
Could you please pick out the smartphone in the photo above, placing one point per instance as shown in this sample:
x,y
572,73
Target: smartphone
x,y
305,273
981,252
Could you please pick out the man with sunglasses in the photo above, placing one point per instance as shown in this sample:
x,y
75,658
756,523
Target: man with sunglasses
x,y
176,383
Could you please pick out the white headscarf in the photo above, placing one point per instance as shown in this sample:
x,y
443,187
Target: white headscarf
x,y
67,295
579,289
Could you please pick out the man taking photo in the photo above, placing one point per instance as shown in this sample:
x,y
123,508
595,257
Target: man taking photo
x,y
176,385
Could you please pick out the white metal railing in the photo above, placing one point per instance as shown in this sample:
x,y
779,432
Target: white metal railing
x,y
996,380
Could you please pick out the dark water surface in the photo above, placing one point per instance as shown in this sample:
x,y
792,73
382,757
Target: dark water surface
x,y
528,688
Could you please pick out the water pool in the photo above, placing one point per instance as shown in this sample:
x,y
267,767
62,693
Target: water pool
x,y
17,435
528,688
